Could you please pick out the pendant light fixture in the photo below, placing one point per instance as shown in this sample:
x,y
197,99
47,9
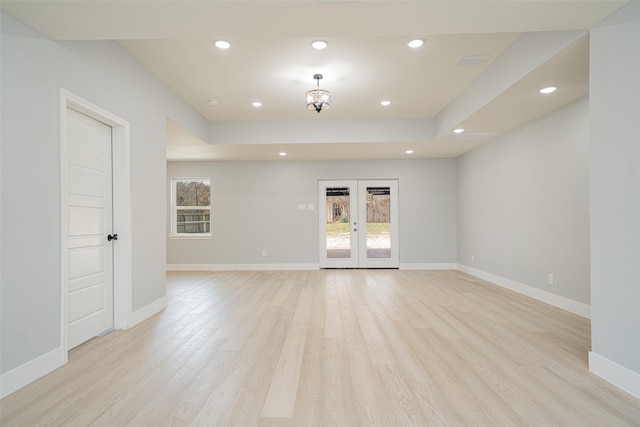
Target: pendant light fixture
x,y
318,99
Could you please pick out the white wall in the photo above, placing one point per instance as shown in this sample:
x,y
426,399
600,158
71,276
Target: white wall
x,y
255,207
523,204
33,70
615,198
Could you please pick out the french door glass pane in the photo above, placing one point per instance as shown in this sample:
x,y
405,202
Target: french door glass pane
x,y
378,222
338,223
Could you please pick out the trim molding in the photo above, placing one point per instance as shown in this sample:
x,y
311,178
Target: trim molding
x,y
615,374
147,311
564,303
429,266
31,371
302,266
240,267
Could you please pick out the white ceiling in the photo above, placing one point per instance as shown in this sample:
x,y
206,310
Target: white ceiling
x,y
359,72
529,44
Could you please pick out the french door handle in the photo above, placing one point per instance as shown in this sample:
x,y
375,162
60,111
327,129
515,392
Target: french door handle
x,y
111,237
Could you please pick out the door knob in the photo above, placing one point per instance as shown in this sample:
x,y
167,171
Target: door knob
x,y
111,237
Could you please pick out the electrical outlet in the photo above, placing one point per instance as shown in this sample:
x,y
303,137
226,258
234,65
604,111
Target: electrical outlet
x,y
264,252
550,279
473,259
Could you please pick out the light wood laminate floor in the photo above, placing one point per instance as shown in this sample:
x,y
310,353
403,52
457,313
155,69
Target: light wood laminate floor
x,y
332,348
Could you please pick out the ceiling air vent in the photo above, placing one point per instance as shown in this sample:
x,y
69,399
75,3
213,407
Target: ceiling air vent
x,y
470,61
478,136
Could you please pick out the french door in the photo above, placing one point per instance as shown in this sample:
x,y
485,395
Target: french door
x,y
358,223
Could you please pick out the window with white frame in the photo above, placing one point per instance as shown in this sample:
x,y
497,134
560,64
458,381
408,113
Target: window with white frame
x,y
191,207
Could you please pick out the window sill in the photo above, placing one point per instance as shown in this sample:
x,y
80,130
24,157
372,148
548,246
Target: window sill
x,y
188,237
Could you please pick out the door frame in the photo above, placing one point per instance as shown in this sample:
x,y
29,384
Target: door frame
x,y
359,257
121,177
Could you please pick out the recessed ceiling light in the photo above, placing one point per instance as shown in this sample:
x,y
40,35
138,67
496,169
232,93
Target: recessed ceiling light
x,y
213,102
459,130
319,44
549,89
409,151
222,44
415,43
385,103
282,154
256,104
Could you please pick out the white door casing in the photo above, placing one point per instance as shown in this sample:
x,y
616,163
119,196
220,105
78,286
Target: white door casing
x,y
89,221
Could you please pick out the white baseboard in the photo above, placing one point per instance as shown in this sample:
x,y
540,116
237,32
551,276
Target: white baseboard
x,y
567,304
148,311
31,371
617,375
429,266
310,266
240,267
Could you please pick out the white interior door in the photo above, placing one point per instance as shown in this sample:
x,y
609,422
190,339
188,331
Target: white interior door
x,y
89,281
358,223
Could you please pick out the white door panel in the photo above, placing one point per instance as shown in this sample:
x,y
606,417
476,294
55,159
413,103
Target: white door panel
x,y
86,221
86,261
87,241
85,161
86,301
85,139
85,281
89,213
85,182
